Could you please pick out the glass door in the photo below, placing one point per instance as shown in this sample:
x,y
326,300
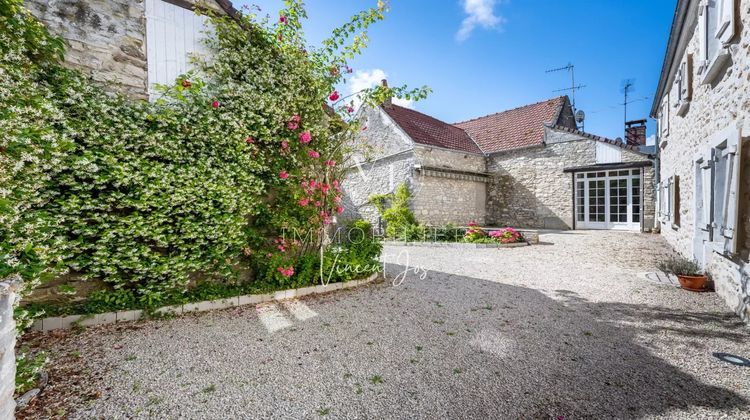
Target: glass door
x,y
608,200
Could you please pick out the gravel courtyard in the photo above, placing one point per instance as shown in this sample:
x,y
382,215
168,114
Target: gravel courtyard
x,y
569,328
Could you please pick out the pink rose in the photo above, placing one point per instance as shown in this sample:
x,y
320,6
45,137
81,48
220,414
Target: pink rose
x,y
317,204
334,96
215,104
313,183
304,202
324,188
330,163
283,175
305,137
282,19
349,109
284,145
313,154
249,140
339,209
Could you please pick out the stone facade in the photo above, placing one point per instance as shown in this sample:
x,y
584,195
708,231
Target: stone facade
x,y
712,107
530,190
448,193
7,348
105,38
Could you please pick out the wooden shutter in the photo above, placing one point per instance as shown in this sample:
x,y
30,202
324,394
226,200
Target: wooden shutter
x,y
173,34
705,202
665,115
686,81
675,201
703,32
730,209
725,26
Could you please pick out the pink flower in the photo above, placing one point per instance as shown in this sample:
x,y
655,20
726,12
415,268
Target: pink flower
x,y
215,104
313,154
350,109
293,122
269,255
305,137
337,199
330,163
284,145
323,214
281,248
334,96
282,19
304,202
249,140
313,183
283,175
286,271
324,188
317,204
339,209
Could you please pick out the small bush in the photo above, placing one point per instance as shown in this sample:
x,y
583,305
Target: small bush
x,y
475,233
680,266
394,209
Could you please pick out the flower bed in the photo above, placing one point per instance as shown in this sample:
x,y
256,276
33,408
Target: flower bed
x,y
472,236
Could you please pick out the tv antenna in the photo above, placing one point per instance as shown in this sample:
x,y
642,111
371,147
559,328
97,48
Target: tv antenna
x,y
628,86
570,68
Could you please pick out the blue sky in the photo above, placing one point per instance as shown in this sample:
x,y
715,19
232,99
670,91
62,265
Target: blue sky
x,y
485,56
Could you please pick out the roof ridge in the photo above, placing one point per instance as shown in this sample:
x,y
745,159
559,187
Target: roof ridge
x,y
511,109
422,113
595,137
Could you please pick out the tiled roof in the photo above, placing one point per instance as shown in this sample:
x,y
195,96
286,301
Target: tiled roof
x,y
515,128
430,131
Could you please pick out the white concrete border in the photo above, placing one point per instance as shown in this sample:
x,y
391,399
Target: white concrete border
x,y
67,322
456,244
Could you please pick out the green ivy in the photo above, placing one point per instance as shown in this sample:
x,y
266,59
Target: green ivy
x,y
394,209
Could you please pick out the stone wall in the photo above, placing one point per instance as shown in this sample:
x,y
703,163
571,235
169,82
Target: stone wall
x,y
386,158
529,188
712,107
7,348
106,38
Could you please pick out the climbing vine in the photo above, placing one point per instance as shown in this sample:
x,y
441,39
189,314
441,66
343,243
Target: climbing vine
x,y
203,180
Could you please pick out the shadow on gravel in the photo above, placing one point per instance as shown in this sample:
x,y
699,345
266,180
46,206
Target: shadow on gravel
x,y
573,358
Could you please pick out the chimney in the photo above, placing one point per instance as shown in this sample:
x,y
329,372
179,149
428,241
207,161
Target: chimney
x,y
635,132
387,103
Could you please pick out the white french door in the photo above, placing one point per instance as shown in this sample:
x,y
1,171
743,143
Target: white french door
x,y
608,199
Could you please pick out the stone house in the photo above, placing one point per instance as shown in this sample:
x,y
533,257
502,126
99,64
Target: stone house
x,y
528,167
702,106
129,45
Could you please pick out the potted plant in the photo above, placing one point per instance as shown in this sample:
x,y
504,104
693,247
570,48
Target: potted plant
x,y
688,272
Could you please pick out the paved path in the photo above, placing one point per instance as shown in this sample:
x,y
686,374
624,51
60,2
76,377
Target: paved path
x,y
569,328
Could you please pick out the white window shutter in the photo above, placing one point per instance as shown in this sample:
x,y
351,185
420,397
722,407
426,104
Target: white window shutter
x,y
665,116
672,199
732,185
686,79
703,32
725,27
706,172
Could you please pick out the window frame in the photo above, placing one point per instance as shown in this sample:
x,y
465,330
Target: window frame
x,y
710,65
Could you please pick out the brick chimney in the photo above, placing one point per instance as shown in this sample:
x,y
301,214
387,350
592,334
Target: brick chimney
x,y
635,132
388,102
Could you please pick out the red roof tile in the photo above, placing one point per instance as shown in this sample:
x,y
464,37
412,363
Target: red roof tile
x,y
515,128
430,131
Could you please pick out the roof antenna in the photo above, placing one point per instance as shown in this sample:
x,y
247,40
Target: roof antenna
x,y
573,87
627,86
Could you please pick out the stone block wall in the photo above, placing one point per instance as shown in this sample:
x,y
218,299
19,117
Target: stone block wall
x,y
713,107
7,348
530,190
438,200
106,38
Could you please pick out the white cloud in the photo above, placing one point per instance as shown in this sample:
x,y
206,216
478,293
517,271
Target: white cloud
x,y
363,79
478,13
651,140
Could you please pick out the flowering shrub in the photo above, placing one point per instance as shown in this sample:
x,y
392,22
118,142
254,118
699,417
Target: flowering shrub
x,y
202,180
506,235
474,233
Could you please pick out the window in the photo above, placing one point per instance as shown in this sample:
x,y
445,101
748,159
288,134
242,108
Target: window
x,y
717,185
717,29
173,34
683,85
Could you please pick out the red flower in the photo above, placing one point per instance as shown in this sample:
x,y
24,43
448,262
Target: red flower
x,y
305,137
334,96
340,209
325,188
313,154
186,83
313,183
349,109
215,104
283,175
282,19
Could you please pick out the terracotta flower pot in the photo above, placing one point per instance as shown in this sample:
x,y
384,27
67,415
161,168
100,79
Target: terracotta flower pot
x,y
693,283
